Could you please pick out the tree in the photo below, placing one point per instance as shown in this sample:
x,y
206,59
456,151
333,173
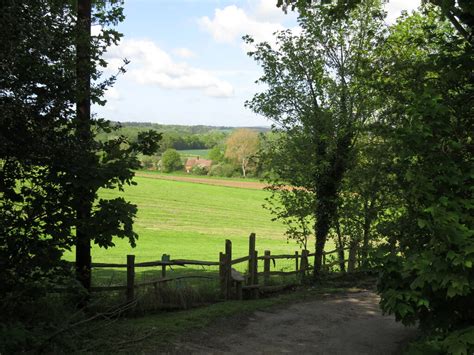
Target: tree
x,y
317,96
216,155
424,73
241,145
459,12
51,164
171,161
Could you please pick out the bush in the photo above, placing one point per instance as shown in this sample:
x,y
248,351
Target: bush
x,y
149,162
171,161
199,170
216,155
226,170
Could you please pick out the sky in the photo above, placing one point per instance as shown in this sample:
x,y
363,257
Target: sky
x,y
188,63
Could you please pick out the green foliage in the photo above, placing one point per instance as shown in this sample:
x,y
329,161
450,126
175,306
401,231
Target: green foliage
x,y
425,74
224,169
460,342
199,170
50,164
319,99
216,155
171,161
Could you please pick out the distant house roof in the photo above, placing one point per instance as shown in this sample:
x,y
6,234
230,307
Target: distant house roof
x,y
191,162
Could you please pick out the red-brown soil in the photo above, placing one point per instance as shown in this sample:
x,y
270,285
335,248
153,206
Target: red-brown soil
x,y
203,180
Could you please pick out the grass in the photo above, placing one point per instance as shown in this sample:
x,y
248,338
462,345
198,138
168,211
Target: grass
x,y
192,221
191,153
156,332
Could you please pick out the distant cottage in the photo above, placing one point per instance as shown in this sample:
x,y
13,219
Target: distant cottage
x,y
192,162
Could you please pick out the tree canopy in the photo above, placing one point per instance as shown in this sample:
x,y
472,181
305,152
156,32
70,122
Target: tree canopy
x,y
317,97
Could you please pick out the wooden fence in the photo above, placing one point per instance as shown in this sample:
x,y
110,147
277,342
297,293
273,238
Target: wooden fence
x,y
233,284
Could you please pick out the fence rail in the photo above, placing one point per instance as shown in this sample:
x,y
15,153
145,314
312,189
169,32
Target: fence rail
x,y
232,283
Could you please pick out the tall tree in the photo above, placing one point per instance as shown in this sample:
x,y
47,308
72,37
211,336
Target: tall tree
x,y
241,145
317,96
51,165
84,195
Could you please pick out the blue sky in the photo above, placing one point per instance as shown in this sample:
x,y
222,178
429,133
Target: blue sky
x,y
188,62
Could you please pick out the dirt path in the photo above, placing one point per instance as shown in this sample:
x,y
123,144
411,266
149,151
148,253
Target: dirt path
x,y
198,180
342,324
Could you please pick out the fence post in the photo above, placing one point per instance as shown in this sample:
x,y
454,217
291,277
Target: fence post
x,y
251,255
130,278
222,279
255,268
228,267
164,258
266,267
304,262
296,260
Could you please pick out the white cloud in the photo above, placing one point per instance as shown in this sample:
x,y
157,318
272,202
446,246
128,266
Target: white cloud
x,y
184,53
150,65
229,24
395,7
266,10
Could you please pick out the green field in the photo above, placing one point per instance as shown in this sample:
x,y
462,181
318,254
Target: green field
x,y
192,221
192,153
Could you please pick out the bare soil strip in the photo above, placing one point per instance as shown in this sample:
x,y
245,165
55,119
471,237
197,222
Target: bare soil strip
x,y
216,182
343,324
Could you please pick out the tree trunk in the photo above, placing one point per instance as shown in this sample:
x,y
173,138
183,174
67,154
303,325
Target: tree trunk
x,y
243,167
323,222
352,256
366,233
327,188
83,132
340,246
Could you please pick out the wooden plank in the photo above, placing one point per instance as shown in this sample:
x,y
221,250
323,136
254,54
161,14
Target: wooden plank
x,y
304,263
130,278
177,262
266,268
193,262
240,260
228,268
282,256
222,280
296,260
251,264
255,268
107,265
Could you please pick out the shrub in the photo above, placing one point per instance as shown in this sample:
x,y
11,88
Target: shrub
x,y
149,162
226,170
171,161
199,170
